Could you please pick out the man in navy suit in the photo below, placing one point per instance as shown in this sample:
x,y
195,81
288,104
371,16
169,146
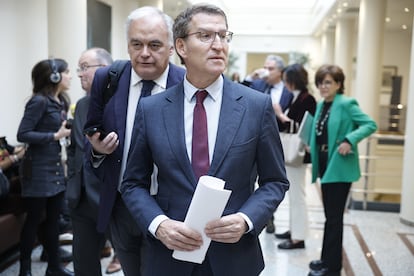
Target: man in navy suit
x,y
150,45
242,132
269,80
82,190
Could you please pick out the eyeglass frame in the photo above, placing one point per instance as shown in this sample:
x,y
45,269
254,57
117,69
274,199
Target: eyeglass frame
x,y
84,68
327,83
227,37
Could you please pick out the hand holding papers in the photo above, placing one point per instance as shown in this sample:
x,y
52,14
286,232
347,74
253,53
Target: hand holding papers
x,y
208,203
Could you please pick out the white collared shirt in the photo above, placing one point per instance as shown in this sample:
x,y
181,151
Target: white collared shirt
x,y
276,92
212,105
135,87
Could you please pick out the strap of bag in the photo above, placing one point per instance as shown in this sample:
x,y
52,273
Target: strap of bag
x,y
114,73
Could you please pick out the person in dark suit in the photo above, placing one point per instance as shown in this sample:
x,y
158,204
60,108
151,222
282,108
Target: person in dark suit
x,y
296,80
269,81
83,188
241,132
150,45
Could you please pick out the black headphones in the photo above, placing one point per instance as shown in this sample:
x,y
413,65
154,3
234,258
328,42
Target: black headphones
x,y
55,76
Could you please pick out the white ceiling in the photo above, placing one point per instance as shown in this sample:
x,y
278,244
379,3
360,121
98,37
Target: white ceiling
x,y
295,17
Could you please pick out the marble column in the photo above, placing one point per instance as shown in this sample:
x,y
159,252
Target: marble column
x,y
344,49
328,46
369,55
407,189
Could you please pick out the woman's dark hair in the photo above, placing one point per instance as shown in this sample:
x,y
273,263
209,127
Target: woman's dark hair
x,y
335,72
297,76
41,73
42,83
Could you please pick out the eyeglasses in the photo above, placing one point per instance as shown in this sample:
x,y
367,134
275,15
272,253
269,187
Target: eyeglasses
x,y
210,36
84,68
327,83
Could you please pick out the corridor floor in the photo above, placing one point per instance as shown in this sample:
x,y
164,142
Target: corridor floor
x,y
375,243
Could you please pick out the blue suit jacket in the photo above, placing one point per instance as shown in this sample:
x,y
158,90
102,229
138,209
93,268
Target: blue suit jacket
x,y
247,134
112,117
285,98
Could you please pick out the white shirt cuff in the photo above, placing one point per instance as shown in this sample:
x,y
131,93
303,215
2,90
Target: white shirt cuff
x,y
248,221
152,228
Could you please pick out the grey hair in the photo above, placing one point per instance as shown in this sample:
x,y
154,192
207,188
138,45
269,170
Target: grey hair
x,y
148,10
102,56
280,64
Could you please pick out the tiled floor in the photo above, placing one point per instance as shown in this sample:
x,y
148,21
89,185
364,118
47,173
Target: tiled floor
x,y
375,243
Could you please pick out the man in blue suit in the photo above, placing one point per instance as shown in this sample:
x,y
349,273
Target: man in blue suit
x,y
269,81
241,132
150,45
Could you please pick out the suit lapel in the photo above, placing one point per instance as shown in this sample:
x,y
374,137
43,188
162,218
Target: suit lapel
x,y
334,122
231,115
121,104
173,116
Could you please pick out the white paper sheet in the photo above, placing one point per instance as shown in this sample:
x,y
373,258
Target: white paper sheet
x,y
208,203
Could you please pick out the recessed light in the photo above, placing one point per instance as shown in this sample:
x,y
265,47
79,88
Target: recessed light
x,y
339,10
387,19
406,9
404,27
345,4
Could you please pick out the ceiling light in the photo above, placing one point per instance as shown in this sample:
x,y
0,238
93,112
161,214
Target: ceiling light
x,y
406,9
339,10
345,4
387,19
404,27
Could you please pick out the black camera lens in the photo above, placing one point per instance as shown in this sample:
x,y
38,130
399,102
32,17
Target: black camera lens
x,y
69,123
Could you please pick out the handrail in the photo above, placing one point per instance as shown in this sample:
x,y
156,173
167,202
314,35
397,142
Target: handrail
x,y
367,157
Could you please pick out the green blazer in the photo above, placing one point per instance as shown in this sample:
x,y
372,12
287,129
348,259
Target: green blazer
x,y
346,121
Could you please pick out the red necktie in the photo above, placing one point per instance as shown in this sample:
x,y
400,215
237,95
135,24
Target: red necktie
x,y
199,153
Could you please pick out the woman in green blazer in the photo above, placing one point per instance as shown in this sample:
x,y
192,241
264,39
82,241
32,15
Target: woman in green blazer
x,y
339,126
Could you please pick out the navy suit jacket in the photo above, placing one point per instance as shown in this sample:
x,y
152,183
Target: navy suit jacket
x,y
247,134
285,98
112,117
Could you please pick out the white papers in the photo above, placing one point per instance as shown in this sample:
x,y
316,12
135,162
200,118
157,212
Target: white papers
x,y
305,128
208,203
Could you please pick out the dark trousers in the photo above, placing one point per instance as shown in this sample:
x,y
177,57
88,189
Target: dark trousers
x,y
43,210
127,239
87,241
203,269
334,197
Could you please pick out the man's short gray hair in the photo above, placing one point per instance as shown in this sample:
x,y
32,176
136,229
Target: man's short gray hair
x,y
280,64
148,10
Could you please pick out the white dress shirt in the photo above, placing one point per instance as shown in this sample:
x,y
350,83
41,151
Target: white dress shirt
x,y
276,92
135,87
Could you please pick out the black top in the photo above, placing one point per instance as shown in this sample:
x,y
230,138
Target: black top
x,y
322,124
